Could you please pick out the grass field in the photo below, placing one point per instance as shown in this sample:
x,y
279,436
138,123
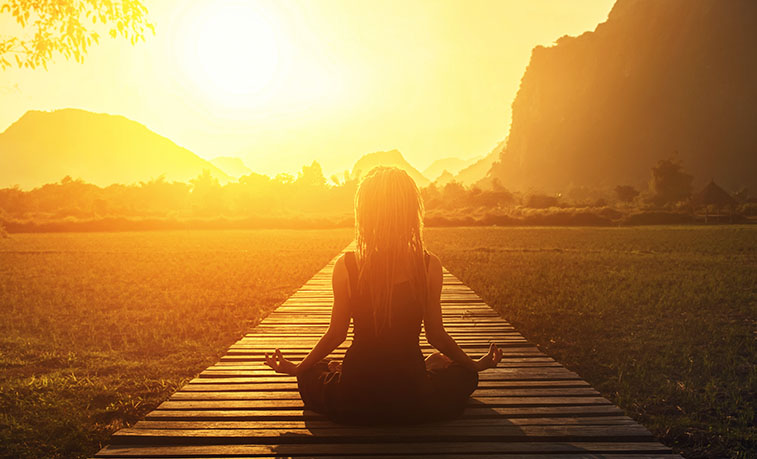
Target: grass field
x,y
96,329
661,320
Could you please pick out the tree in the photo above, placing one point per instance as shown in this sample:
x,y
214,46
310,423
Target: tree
x,y
669,183
742,195
453,195
311,176
626,193
158,194
431,195
66,27
542,201
207,194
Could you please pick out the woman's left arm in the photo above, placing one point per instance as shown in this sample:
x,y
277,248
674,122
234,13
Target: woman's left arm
x,y
438,337
334,336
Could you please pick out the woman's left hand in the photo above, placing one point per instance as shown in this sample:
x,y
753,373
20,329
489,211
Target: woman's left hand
x,y
491,359
280,364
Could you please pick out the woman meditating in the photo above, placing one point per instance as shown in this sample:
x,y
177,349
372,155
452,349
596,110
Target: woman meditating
x,y
388,287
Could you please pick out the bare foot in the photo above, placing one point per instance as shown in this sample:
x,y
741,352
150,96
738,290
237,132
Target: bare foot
x,y
437,361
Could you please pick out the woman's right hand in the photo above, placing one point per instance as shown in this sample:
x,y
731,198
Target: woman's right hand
x,y
491,359
281,364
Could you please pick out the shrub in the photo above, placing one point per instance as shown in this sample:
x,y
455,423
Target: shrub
x,y
657,218
541,201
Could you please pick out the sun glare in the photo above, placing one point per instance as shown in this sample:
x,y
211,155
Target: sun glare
x,y
231,52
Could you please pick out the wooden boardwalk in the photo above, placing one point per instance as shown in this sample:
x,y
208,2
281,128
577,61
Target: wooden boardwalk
x,y
528,407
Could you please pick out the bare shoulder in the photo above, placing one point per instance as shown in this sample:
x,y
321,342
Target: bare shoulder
x,y
340,277
433,261
434,267
340,268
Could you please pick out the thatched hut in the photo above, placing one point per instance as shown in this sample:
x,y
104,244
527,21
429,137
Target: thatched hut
x,y
713,197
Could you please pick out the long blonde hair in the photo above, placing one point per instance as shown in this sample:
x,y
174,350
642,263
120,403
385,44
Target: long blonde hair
x,y
388,226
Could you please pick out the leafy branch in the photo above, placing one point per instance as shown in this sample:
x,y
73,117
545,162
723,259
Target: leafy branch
x,y
66,27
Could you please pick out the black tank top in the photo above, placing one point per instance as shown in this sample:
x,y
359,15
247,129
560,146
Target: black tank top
x,y
384,373
406,316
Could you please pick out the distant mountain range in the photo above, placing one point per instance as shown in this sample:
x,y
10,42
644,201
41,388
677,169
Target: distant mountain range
x,y
660,76
471,172
476,173
451,165
43,147
387,158
231,165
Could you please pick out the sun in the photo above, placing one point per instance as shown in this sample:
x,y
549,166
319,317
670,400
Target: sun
x,y
230,51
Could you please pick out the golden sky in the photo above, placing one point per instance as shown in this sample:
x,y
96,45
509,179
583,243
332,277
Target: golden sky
x,y
282,83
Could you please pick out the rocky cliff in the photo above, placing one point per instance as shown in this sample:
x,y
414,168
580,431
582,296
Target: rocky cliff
x,y
657,77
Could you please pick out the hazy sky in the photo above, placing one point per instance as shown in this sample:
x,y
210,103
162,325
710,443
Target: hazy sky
x,y
281,83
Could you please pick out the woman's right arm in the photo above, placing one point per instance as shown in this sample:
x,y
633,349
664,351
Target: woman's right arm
x,y
340,319
438,337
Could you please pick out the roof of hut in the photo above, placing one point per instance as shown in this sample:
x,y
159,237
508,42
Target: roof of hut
x,y
712,194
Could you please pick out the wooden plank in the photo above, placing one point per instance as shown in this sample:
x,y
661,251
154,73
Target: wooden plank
x,y
177,403
274,394
525,373
470,412
514,374
476,348
279,455
293,449
322,423
362,434
200,385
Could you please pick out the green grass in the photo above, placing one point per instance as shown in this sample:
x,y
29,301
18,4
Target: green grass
x,y
97,329
661,320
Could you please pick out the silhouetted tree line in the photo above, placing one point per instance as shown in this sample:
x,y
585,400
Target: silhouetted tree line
x,y
308,199
203,196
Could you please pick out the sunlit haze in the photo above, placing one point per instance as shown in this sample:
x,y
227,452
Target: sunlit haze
x,y
231,52
280,84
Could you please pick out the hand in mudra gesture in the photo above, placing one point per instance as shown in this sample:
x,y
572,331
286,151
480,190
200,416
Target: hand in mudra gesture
x,y
280,364
491,359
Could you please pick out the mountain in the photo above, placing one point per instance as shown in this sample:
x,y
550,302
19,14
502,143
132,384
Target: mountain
x,y
444,178
451,165
658,77
477,171
43,147
387,158
231,165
